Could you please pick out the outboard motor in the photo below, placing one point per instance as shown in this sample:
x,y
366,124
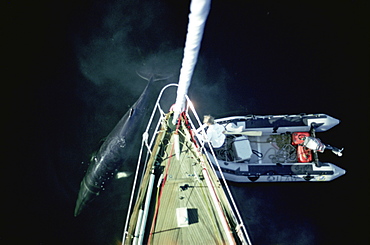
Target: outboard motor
x,y
316,145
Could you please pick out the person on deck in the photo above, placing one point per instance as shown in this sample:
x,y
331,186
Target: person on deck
x,y
215,132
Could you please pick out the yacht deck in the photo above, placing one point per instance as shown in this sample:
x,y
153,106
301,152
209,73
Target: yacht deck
x,y
188,205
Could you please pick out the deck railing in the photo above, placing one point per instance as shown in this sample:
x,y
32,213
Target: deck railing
x,y
195,123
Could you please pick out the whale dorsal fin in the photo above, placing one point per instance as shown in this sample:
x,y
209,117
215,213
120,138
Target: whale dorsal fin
x,y
153,77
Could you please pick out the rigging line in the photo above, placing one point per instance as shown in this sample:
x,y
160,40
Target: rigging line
x,y
234,206
132,194
187,124
218,206
160,194
206,203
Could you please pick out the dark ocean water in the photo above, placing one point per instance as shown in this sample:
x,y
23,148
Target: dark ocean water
x,y
72,66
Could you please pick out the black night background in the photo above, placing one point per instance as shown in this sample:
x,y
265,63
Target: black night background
x,y
70,75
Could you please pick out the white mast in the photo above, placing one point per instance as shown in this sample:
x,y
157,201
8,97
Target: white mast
x,y
199,10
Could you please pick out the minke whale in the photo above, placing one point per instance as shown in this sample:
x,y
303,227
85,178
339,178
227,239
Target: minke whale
x,y
117,147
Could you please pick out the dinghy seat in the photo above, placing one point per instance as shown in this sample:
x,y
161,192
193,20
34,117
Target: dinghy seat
x,y
242,149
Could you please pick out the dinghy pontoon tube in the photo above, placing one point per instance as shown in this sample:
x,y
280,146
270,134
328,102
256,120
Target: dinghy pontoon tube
x,y
275,148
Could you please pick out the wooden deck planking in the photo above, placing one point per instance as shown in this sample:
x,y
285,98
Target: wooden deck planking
x,y
185,188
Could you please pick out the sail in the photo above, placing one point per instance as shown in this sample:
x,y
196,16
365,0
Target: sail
x,y
199,10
